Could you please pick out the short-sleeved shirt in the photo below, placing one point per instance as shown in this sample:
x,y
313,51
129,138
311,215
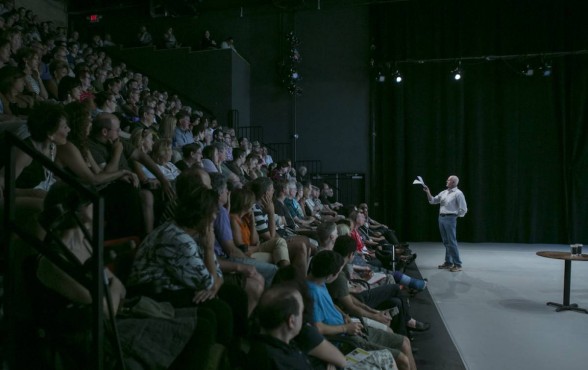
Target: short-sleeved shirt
x,y
324,309
102,153
261,219
173,259
309,338
294,208
339,288
244,227
269,353
222,230
282,210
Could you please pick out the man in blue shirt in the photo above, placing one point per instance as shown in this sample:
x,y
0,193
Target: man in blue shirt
x,y
329,319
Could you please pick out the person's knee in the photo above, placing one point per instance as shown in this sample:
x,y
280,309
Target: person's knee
x,y
297,249
402,362
254,287
146,199
406,347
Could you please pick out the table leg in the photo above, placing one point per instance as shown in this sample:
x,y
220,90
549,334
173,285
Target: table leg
x,y
566,306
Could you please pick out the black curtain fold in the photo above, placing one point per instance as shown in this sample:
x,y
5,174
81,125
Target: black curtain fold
x,y
518,143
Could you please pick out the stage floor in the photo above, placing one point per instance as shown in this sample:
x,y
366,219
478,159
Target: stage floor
x,y
495,309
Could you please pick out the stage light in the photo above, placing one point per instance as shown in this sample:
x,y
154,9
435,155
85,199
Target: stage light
x,y
528,71
381,78
397,77
546,69
457,72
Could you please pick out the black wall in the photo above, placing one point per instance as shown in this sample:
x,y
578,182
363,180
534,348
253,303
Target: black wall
x,y
331,116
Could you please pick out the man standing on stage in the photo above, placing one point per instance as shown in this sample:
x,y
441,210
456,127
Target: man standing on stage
x,y
453,205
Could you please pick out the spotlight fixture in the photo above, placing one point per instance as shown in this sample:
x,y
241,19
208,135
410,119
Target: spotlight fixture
x,y
397,77
457,72
380,77
546,69
528,71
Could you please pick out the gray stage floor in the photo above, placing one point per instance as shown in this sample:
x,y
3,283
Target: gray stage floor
x,y
495,308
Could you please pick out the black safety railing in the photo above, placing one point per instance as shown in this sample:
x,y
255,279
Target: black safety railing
x,y
253,133
348,188
279,151
95,284
313,167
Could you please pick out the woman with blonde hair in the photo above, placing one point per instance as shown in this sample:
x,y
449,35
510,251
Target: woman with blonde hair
x,y
142,139
167,129
162,155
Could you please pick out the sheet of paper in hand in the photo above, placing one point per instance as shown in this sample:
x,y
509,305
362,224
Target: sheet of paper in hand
x,y
419,181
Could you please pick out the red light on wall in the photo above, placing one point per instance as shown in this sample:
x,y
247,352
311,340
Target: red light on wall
x,y
94,18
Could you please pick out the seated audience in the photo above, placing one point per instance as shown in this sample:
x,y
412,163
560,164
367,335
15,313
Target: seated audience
x,y
14,101
325,268
62,304
176,262
191,156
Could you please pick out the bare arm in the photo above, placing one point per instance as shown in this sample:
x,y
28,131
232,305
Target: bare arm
x,y
21,161
254,234
329,353
70,156
57,280
152,166
231,249
236,229
351,328
267,204
113,164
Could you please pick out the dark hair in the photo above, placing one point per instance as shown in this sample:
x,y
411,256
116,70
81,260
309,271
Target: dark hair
x,y
8,75
23,54
66,85
241,199
144,109
188,149
196,208
208,151
102,97
181,114
283,164
59,207
260,186
291,275
280,186
55,65
78,119
237,152
218,181
276,305
345,245
189,179
44,120
325,263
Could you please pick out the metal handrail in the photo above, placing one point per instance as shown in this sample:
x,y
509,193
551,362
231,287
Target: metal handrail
x,y
96,283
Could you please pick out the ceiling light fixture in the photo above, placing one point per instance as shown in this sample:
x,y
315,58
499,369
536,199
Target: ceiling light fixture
x,y
457,72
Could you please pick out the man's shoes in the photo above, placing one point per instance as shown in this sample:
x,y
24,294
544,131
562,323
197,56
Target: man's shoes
x,y
445,266
455,268
420,326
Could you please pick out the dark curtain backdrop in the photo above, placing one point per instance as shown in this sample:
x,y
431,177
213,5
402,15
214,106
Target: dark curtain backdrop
x,y
518,144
